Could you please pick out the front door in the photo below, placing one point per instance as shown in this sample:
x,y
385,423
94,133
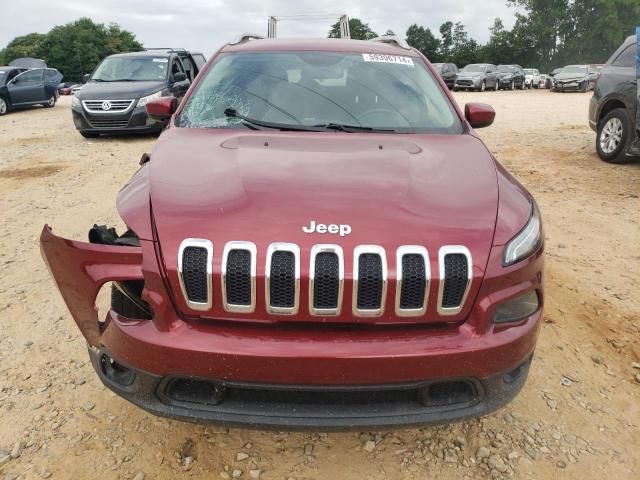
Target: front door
x,y
27,88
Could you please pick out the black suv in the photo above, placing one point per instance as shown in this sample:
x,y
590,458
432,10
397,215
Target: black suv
x,y
114,97
511,77
613,107
448,72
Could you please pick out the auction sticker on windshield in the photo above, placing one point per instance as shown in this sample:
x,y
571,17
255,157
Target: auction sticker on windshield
x,y
377,57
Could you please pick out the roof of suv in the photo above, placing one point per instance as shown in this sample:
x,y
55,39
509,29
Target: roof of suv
x,y
145,53
322,44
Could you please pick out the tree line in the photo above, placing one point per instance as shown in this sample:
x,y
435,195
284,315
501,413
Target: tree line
x,y
546,34
75,48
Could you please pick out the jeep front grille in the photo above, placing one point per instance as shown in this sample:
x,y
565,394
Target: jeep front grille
x,y
239,277
194,269
455,278
413,275
326,280
369,280
238,268
283,278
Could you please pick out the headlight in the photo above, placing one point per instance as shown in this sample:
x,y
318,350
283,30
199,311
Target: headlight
x,y
75,101
525,242
144,100
517,308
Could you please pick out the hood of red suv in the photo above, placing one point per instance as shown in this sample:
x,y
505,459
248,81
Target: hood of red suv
x,y
264,187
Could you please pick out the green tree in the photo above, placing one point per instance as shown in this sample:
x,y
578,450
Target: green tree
x,y
358,30
463,50
446,32
422,39
31,45
119,40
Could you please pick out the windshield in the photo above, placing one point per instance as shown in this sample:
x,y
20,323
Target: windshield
x,y
317,89
529,71
114,69
438,66
505,69
476,67
574,69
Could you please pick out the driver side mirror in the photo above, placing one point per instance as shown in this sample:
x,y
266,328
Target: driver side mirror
x,y
86,77
162,108
179,77
479,115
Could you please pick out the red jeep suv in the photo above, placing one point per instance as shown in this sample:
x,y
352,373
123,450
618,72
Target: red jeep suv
x,y
318,239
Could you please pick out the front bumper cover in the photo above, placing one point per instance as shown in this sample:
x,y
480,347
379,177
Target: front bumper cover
x,y
133,121
294,356
298,407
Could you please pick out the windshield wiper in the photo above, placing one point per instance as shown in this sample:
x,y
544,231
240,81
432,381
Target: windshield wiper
x,y
352,128
231,112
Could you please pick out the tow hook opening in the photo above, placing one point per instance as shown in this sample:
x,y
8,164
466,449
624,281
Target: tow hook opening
x,y
116,372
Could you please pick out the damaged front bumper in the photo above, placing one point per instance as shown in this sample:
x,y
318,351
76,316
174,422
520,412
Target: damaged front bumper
x,y
311,376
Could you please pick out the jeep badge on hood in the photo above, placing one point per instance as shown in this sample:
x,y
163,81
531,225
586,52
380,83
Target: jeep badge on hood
x,y
333,229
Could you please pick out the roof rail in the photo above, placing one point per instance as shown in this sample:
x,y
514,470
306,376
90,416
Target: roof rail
x,y
168,49
245,37
392,40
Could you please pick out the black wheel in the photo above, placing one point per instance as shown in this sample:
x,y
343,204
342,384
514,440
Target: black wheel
x,y
123,305
51,102
523,86
88,134
614,137
483,86
4,106
513,85
584,87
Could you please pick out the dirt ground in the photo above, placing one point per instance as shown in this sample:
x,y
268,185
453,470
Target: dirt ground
x,y
577,417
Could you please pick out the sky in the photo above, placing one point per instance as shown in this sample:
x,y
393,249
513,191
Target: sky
x,y
205,25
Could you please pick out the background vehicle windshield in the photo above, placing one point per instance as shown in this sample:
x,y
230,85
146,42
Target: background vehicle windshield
x,y
438,66
529,71
316,88
574,69
505,69
476,67
140,69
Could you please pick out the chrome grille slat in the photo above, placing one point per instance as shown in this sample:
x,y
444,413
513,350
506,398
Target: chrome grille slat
x,y
413,279
326,281
455,269
195,258
238,277
282,279
370,292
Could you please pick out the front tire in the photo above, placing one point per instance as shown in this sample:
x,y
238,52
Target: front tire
x,y
614,137
483,86
51,102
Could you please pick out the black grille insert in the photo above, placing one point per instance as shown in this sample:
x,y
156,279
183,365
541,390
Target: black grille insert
x,y
238,277
455,279
414,282
282,282
194,274
370,282
326,283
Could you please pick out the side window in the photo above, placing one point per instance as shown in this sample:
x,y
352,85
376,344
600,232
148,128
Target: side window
x,y
30,76
627,58
176,66
200,60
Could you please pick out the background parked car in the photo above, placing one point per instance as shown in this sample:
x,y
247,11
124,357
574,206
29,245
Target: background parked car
x,y
477,76
612,109
448,72
532,77
114,97
21,87
511,77
574,77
